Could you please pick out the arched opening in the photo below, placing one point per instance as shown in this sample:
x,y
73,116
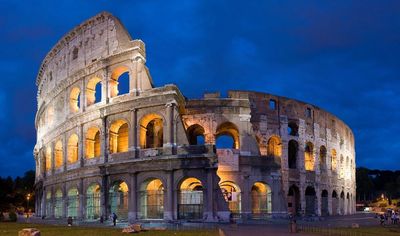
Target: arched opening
x,y
58,204
274,147
93,142
227,136
74,99
335,201
190,203
119,83
119,199
93,91
196,134
58,154
333,160
151,131
309,157
293,129
152,199
292,154
341,203
347,203
322,158
347,168
48,203
261,204
72,149
73,203
232,196
119,136
311,199
294,207
324,203
48,158
93,201
341,167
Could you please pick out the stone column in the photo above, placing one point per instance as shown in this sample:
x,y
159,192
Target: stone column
x,y
82,200
169,129
133,211
44,202
65,198
65,152
52,158
81,146
52,200
133,142
319,200
104,195
169,197
105,90
330,205
82,98
246,198
104,139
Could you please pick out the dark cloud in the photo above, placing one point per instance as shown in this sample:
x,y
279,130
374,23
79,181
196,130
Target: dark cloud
x,y
341,56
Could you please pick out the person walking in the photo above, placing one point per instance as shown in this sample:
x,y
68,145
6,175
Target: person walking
x,y
114,218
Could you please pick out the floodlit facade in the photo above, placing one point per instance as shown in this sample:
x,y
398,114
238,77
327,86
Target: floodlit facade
x,y
149,153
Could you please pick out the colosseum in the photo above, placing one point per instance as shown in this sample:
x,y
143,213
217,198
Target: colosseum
x,y
149,153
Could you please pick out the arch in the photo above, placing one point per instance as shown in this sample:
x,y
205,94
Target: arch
x,y
232,195
309,157
72,150
333,160
118,76
324,203
341,166
93,91
294,207
190,202
72,202
335,203
293,129
58,204
93,201
261,204
48,203
119,136
93,145
152,199
322,158
274,147
293,148
228,129
151,131
196,134
348,203
119,199
74,99
58,154
341,203
311,199
347,168
48,158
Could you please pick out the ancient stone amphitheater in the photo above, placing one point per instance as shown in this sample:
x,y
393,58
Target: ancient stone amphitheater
x,y
149,153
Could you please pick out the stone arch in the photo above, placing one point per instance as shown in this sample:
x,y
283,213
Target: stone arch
x,y
93,145
93,87
324,203
341,166
72,150
274,146
293,199
48,203
333,160
311,199
341,203
151,131
93,194
228,129
232,195
309,159
195,134
152,199
58,154
190,199
322,158
261,200
335,203
114,83
58,203
118,199
348,207
293,129
119,136
74,99
72,202
293,148
48,158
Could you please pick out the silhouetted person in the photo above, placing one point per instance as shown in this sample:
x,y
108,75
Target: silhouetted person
x,y
114,218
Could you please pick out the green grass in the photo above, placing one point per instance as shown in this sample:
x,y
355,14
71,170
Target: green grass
x,y
364,231
7,229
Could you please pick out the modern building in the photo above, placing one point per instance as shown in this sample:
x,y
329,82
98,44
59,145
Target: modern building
x,y
149,153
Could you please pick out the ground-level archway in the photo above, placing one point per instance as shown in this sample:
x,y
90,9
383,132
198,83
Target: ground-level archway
x,y
260,200
190,202
93,201
311,200
72,203
58,204
294,200
324,203
152,199
335,203
119,199
232,196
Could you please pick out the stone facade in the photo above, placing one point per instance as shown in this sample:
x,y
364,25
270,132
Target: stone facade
x,y
150,153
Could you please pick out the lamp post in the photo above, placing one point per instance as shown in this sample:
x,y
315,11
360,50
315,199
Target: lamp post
x,y
27,203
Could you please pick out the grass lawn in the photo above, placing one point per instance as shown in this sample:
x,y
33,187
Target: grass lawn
x,y
363,231
7,229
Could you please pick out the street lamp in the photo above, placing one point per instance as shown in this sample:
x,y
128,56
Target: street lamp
x,y
27,203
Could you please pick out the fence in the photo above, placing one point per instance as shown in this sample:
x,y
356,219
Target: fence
x,y
304,228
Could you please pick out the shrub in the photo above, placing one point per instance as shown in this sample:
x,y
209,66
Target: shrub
x,y
12,216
